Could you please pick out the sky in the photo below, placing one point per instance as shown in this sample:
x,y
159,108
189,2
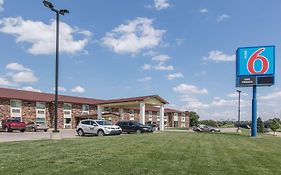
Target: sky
x,y
183,51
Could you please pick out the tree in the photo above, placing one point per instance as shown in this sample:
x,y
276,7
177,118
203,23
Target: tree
x,y
274,125
212,123
260,125
193,118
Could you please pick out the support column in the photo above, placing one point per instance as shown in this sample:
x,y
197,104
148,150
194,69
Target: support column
x,y
121,113
100,109
161,112
142,113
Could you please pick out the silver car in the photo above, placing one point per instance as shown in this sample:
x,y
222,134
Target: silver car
x,y
36,126
97,127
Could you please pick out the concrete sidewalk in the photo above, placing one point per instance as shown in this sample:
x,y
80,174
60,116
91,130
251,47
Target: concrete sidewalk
x,y
40,135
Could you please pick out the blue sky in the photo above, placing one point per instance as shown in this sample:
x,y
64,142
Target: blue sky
x,y
182,50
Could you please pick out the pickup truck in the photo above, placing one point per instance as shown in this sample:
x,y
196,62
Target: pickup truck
x,y
9,125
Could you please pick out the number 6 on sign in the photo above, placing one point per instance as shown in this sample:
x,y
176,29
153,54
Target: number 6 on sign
x,y
254,57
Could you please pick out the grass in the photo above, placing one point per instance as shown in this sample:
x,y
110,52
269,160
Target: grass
x,y
159,153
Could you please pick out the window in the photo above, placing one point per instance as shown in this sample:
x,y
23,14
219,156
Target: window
x,y
67,106
87,122
67,114
85,109
40,105
15,103
40,112
16,109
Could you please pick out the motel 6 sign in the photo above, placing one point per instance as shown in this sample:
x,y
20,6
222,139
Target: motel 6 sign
x,y
255,66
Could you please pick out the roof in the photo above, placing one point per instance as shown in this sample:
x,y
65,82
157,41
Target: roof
x,y
137,99
43,97
48,97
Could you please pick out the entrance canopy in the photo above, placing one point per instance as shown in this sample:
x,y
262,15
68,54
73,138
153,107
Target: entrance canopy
x,y
141,102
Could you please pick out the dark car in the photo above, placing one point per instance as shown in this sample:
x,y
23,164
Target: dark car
x,y
205,128
133,126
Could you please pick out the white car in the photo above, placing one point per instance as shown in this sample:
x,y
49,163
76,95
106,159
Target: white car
x,y
97,127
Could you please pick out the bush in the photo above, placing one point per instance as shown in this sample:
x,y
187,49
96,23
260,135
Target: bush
x,y
274,125
260,125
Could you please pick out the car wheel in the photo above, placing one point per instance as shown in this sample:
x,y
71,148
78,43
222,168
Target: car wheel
x,y
45,130
212,130
138,131
22,130
100,133
80,132
33,129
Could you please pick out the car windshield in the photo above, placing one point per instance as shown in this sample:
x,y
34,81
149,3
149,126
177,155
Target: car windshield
x,y
103,122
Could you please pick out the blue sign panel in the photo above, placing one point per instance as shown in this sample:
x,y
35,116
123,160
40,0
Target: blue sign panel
x,y
255,66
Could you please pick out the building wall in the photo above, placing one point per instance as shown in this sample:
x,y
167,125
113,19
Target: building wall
x,y
29,113
5,107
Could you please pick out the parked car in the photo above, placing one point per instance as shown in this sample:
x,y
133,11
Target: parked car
x,y
97,127
33,126
10,124
152,125
133,126
205,128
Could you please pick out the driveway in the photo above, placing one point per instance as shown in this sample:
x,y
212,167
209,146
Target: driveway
x,y
18,136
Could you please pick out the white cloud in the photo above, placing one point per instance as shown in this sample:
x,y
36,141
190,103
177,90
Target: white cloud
x,y
175,75
133,37
161,4
189,89
78,89
271,96
222,17
203,10
218,56
61,89
24,77
235,94
192,103
29,88
145,79
160,66
16,67
21,74
146,67
222,102
1,5
161,58
4,82
42,36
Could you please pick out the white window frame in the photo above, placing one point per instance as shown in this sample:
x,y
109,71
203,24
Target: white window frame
x,y
182,119
86,112
67,116
38,110
16,108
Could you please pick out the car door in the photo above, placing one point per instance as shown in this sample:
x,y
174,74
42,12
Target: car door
x,y
86,126
94,127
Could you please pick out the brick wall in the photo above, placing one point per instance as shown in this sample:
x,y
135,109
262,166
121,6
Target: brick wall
x,y
5,107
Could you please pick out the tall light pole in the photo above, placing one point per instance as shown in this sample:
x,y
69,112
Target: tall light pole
x,y
238,127
58,13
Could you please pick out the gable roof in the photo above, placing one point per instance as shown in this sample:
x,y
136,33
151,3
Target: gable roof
x,y
135,99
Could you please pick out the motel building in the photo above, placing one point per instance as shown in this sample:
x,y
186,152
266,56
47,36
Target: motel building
x,y
40,107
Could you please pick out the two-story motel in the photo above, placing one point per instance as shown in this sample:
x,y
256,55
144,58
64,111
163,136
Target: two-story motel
x,y
37,106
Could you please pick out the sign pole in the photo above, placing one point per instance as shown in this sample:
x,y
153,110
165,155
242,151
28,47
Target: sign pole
x,y
254,112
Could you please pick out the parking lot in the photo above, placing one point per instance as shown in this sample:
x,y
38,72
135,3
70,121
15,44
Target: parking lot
x,y
18,136
65,133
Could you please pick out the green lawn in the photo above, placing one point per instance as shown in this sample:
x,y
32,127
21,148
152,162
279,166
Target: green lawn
x,y
160,153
